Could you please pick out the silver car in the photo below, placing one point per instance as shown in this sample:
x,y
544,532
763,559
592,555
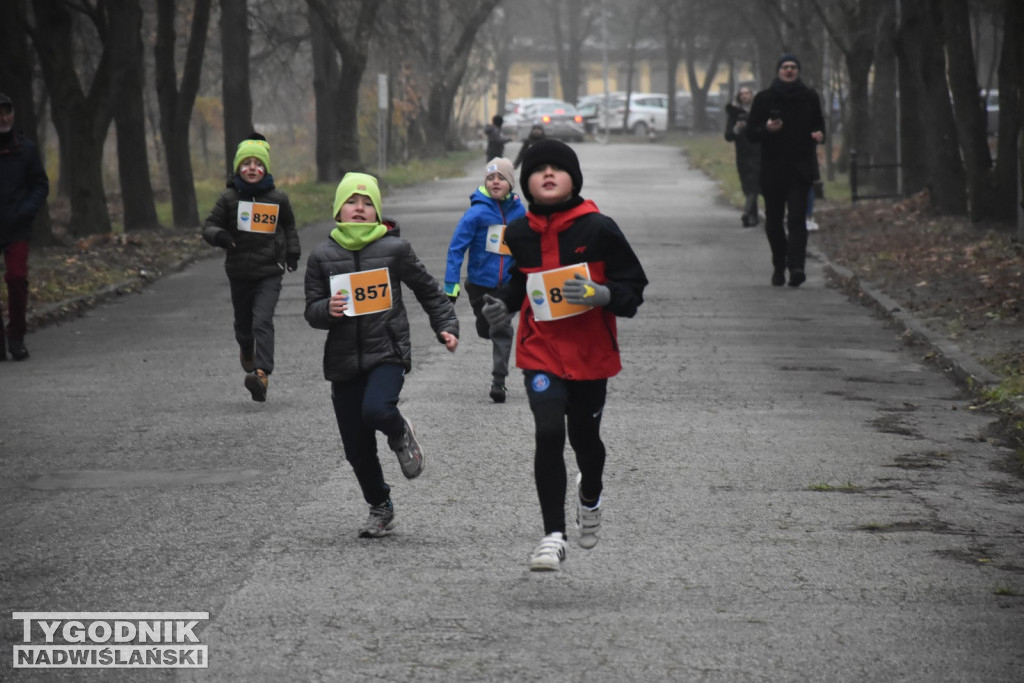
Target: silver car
x,y
559,120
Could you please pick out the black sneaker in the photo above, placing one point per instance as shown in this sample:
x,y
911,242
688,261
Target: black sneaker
x,y
498,392
407,448
380,521
257,383
796,277
17,348
778,278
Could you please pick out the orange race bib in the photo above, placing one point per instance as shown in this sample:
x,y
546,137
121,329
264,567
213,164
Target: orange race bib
x,y
496,240
257,217
368,291
545,292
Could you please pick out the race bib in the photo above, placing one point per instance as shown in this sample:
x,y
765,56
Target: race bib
x,y
257,217
545,292
496,240
368,291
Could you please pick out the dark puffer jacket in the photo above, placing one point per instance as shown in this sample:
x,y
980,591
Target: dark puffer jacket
x,y
355,345
24,184
790,155
255,255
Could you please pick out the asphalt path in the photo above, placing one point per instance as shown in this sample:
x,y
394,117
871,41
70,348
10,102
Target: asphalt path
x,y
791,493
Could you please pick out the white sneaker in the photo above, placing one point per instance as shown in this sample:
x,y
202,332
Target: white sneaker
x,y
549,554
812,225
588,520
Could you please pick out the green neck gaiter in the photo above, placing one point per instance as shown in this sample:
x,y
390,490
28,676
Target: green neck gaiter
x,y
355,236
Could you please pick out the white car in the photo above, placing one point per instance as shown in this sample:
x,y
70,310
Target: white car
x,y
648,112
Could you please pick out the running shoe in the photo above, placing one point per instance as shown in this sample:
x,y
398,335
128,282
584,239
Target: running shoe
x,y
407,448
380,522
549,554
588,519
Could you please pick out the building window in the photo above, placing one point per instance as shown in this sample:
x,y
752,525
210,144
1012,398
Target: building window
x,y
541,85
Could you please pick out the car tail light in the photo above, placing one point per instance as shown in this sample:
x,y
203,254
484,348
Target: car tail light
x,y
545,119
578,119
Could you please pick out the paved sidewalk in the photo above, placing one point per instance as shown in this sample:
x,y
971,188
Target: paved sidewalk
x,y
791,494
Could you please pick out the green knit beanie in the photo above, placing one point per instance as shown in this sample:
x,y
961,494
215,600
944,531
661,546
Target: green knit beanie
x,y
253,148
357,183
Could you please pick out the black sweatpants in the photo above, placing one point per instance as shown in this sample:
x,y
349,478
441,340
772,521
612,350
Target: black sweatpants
x,y
785,224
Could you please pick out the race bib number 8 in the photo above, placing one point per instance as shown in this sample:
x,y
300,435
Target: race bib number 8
x,y
496,240
545,292
257,217
368,291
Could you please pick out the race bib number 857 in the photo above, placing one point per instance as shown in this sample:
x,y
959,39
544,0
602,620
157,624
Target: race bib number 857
x,y
368,291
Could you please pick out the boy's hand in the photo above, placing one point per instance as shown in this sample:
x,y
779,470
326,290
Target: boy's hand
x,y
451,290
293,263
582,291
450,341
495,311
223,240
337,304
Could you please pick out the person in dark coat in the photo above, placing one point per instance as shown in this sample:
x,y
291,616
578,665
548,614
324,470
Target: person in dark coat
x,y
495,140
354,290
786,120
535,136
254,223
23,189
748,154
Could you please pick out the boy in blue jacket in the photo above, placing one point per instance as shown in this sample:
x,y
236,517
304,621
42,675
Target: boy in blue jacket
x,y
481,230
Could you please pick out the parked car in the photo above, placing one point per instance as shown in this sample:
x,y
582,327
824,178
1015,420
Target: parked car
x,y
714,107
558,119
590,108
514,110
648,112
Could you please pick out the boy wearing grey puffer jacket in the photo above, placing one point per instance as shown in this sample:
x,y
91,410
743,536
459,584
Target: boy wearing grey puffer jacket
x,y
354,291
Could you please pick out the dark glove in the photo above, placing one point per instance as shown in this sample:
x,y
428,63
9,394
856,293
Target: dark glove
x,y
495,312
223,240
585,292
451,290
293,263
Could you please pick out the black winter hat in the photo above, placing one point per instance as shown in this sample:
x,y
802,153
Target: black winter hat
x,y
556,153
787,58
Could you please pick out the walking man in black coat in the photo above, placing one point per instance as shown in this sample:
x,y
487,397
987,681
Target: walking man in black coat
x,y
786,119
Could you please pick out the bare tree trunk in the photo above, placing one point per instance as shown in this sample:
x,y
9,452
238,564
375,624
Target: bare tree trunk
x,y
325,84
16,80
928,131
569,35
235,91
81,120
176,106
884,111
126,54
1011,116
970,112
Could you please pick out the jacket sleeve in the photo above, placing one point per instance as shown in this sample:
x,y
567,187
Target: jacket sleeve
x,y
428,292
626,277
38,187
757,118
291,233
318,293
730,122
461,239
217,221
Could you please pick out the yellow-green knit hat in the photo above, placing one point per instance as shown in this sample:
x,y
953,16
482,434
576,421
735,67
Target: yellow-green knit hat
x,y
357,183
253,148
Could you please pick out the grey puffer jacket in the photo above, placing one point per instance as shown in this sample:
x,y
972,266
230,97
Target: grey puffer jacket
x,y
255,255
355,345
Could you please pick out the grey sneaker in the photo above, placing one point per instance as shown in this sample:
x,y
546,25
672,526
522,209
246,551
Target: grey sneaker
x,y
549,554
380,522
407,448
588,519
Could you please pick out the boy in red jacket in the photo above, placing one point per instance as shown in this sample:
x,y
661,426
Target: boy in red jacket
x,y
575,272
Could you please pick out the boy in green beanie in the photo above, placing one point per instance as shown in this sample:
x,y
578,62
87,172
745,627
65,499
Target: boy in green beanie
x,y
354,291
254,224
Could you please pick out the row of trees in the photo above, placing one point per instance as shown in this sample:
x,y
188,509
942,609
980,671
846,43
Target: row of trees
x,y
907,74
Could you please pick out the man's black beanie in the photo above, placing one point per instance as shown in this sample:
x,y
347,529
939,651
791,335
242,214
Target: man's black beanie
x,y
556,153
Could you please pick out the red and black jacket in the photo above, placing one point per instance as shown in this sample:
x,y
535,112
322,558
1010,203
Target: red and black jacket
x,y
585,346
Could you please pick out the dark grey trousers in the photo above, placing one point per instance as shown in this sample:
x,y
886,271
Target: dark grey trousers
x,y
501,339
254,302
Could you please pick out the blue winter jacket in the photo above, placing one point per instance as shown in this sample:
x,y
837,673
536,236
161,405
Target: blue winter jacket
x,y
23,187
485,268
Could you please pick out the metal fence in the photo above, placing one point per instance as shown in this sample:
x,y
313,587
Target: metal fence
x,y
856,180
